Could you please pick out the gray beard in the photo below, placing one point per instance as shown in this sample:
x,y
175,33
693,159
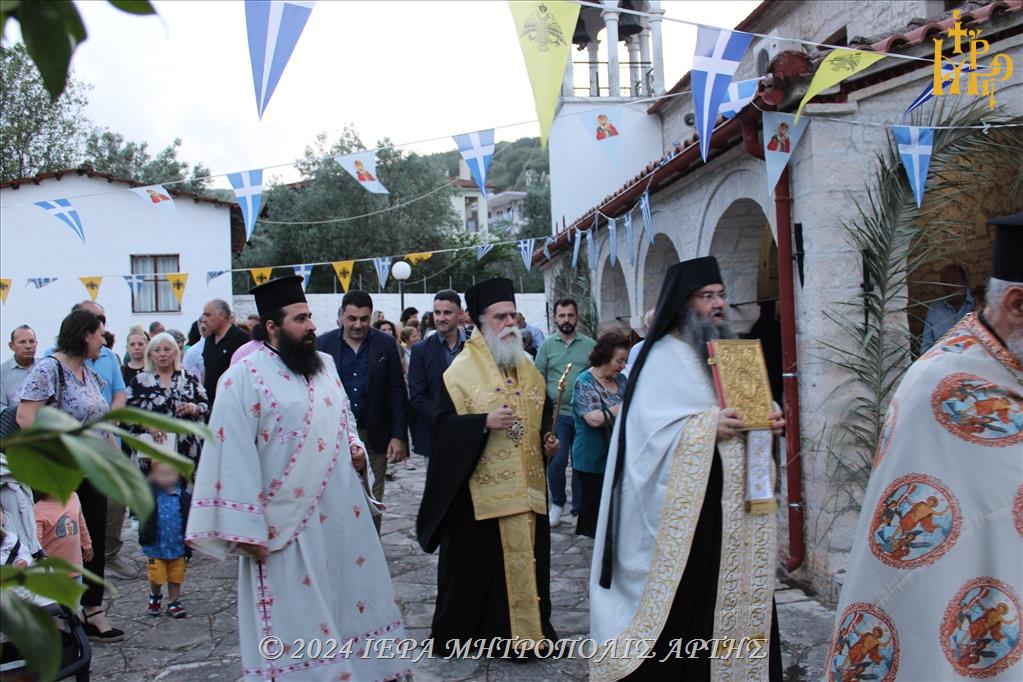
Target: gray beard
x,y
697,330
1015,346
506,350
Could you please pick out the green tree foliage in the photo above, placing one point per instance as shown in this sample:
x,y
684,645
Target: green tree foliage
x,y
537,208
508,170
37,134
52,29
328,192
108,152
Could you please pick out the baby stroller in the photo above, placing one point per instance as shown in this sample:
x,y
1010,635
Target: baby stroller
x,y
19,541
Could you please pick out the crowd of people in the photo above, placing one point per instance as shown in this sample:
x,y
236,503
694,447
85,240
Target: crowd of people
x,y
304,426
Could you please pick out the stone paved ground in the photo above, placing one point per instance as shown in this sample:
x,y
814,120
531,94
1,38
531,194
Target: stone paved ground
x,y
204,646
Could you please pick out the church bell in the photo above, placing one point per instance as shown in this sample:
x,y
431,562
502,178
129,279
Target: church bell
x,y
629,24
580,38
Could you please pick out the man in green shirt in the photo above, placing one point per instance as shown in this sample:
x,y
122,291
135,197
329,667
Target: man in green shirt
x,y
555,353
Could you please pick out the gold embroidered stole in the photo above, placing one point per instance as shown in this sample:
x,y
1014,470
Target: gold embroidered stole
x,y
745,578
510,481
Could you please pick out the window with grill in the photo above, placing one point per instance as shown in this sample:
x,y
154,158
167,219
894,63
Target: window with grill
x,y
155,294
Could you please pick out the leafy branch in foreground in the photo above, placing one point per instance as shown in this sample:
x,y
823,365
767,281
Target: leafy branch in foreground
x,y
53,456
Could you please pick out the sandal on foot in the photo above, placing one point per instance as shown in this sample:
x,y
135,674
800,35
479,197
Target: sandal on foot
x,y
108,636
154,605
176,610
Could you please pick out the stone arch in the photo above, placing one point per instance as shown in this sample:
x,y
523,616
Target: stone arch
x,y
615,309
659,256
743,245
723,196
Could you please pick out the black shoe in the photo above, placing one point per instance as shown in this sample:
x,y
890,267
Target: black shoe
x,y
93,633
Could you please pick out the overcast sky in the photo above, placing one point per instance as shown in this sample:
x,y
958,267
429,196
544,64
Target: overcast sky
x,y
405,70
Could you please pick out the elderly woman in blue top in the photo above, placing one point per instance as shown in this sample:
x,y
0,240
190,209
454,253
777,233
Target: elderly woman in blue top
x,y
599,391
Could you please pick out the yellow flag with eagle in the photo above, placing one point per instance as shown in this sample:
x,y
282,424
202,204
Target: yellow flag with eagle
x,y
835,68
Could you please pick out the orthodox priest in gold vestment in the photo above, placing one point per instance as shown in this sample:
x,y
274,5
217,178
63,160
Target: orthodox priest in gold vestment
x,y
680,559
485,502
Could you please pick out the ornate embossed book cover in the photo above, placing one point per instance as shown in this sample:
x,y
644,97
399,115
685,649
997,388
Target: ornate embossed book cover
x,y
740,376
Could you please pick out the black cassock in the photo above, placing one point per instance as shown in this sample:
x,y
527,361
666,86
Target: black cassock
x,y
472,599
692,612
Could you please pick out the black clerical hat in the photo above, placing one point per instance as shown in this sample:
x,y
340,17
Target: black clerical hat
x,y
487,293
1007,259
277,293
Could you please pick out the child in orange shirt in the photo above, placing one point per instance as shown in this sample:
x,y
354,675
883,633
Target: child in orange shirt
x,y
62,531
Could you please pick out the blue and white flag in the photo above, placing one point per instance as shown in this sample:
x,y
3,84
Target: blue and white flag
x,y
63,211
948,74
478,151
383,268
274,27
612,241
248,188
526,251
718,53
575,247
782,134
628,238
212,275
915,147
135,283
737,96
482,250
304,271
648,219
40,282
591,248
547,247
363,167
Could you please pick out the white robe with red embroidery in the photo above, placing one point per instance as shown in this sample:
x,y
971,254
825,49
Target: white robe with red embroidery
x,y
278,473
933,585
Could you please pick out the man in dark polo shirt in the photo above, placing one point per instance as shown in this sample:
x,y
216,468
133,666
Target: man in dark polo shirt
x,y
222,340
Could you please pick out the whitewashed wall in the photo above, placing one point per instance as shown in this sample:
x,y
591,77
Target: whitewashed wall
x,y
324,307
117,225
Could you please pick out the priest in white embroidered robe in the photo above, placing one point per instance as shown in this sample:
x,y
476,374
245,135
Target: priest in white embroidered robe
x,y
934,581
677,555
276,486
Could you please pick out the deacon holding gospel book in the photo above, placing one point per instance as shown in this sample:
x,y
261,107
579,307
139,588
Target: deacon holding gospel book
x,y
675,489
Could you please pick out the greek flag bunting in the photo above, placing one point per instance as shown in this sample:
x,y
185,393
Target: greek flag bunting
x,y
63,211
478,151
135,283
915,147
949,73
482,250
648,220
575,247
40,282
718,53
304,271
273,28
547,247
248,188
612,241
526,251
591,248
627,220
737,96
383,268
212,275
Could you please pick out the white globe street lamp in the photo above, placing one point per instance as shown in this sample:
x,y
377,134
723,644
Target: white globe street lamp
x,y
401,271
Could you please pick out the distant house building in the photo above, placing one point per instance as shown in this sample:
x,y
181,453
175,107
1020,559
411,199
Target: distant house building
x,y
505,212
113,233
468,201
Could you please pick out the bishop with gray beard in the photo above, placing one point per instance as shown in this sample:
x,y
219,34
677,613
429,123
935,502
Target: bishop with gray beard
x,y
672,515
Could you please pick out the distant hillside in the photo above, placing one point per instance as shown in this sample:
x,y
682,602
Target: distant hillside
x,y
511,160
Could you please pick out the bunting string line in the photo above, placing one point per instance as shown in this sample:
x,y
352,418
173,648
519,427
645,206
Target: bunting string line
x,y
167,183
879,124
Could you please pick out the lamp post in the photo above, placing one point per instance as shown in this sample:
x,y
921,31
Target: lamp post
x,y
401,271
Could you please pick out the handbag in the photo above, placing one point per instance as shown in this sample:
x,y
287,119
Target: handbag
x,y
9,415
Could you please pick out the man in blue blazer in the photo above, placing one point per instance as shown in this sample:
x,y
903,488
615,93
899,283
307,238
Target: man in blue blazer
x,y
368,363
430,357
